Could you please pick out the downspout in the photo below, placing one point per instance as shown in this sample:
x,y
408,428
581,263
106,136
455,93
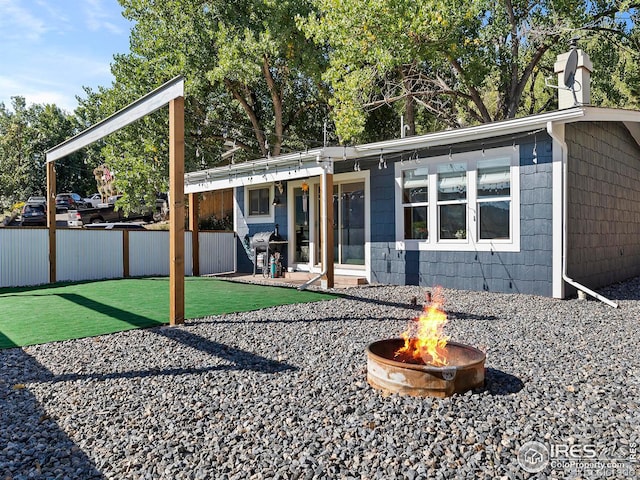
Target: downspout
x,y
565,202
323,216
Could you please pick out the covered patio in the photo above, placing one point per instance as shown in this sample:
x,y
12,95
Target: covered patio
x,y
316,164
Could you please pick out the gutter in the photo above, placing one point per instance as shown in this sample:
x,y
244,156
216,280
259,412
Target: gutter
x,y
313,280
565,182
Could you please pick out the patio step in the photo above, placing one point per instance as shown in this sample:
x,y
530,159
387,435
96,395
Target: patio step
x,y
338,279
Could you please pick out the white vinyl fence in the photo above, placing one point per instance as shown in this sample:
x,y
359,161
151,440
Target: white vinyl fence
x,y
149,254
88,254
98,254
24,256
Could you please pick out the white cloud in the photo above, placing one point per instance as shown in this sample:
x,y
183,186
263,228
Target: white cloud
x,y
50,50
54,77
15,18
57,98
53,12
34,91
99,18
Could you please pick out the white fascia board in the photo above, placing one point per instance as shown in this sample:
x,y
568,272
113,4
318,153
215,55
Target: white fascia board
x,y
290,166
245,179
598,114
479,132
195,180
151,102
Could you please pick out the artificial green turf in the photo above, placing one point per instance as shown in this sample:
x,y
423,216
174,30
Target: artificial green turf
x,y
33,315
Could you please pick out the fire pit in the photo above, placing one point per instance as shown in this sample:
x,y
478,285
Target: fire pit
x,y
464,371
423,363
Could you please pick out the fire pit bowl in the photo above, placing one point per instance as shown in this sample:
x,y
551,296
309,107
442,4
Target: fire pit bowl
x,y
465,370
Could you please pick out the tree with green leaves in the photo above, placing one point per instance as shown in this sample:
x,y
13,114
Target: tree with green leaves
x,y
26,133
252,80
456,62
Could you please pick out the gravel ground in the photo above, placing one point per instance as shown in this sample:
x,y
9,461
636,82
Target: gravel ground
x,y
282,393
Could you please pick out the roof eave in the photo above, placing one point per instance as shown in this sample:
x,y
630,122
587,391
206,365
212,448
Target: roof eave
x,y
305,160
469,134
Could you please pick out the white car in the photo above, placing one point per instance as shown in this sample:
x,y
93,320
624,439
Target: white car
x,y
94,200
37,200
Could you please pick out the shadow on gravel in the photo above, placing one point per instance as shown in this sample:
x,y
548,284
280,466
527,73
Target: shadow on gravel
x,y
418,307
227,321
453,315
240,359
33,445
497,382
629,290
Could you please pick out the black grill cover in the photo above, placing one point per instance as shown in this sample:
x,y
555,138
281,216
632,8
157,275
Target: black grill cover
x,y
260,241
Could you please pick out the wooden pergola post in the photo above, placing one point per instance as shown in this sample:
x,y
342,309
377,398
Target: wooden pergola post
x,y
51,219
176,217
194,209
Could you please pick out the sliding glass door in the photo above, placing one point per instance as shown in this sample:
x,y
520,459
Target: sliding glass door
x,y
348,223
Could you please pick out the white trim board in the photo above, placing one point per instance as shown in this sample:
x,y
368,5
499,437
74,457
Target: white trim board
x,y
151,102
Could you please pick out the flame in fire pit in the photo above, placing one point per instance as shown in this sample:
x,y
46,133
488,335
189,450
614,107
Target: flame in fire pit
x,y
424,339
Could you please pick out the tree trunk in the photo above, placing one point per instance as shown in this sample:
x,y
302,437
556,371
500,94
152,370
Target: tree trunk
x,y
409,108
277,105
255,122
473,92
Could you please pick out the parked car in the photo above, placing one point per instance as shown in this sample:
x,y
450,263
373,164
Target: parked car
x,y
69,201
113,199
93,201
37,199
34,213
105,213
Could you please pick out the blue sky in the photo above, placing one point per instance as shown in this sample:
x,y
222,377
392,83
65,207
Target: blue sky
x,y
50,49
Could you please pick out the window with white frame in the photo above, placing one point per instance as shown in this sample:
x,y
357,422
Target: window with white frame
x,y
415,202
452,201
258,201
468,201
259,204
494,199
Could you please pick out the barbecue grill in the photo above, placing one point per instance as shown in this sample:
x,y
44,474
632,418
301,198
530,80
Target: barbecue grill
x,y
265,244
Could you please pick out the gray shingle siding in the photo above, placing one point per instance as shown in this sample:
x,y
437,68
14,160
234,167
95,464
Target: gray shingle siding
x,y
527,271
603,225
382,196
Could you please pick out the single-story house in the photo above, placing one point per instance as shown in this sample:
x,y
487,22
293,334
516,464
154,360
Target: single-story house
x,y
545,204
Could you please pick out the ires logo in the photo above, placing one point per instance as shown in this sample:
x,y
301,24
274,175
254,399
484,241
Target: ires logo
x,y
560,451
534,456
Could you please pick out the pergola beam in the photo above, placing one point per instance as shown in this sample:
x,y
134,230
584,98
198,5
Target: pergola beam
x,y
151,102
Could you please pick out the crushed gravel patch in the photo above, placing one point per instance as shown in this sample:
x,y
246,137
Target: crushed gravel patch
x,y
282,393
